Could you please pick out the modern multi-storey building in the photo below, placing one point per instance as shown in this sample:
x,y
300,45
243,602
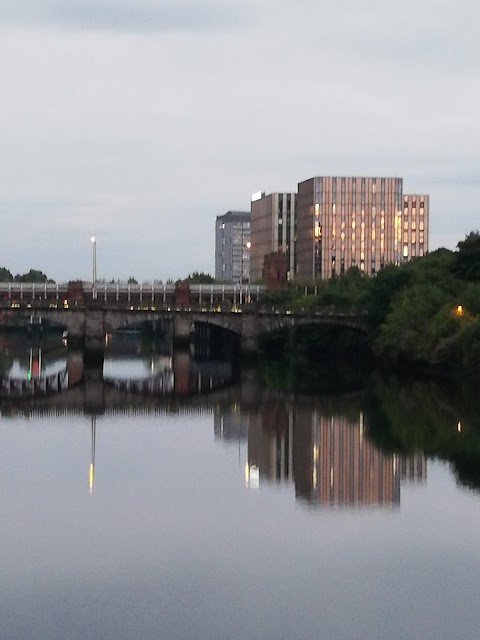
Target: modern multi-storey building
x,y
232,247
414,226
344,222
334,223
273,229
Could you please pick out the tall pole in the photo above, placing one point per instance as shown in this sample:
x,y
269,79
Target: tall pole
x,y
94,267
249,246
243,248
313,251
241,269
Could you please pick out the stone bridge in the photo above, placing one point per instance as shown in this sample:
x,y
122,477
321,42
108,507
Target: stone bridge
x,y
90,325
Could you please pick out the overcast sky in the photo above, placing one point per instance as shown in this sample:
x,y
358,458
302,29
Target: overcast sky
x,y
140,121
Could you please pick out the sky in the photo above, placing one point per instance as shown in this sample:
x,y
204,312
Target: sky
x,y
140,121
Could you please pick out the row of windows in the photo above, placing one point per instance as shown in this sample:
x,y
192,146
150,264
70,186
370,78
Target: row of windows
x,y
413,225
414,203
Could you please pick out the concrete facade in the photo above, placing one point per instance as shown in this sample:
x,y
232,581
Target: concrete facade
x,y
413,231
273,229
232,252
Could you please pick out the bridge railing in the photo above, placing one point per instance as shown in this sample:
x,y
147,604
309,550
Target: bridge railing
x,y
161,294
32,290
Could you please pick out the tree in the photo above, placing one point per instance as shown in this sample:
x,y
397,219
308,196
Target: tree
x,y
5,275
384,287
199,277
411,329
32,276
467,259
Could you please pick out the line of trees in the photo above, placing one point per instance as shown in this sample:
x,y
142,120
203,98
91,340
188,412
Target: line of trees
x,y
424,312
34,275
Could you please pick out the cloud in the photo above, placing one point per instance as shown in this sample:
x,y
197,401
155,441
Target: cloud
x,y
127,15
142,138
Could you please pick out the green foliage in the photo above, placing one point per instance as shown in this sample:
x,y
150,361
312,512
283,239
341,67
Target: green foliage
x,y
405,332
411,307
34,275
469,297
5,275
285,298
388,283
199,277
467,259
437,420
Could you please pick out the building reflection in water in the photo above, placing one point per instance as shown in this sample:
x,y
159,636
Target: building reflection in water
x,y
337,465
327,456
413,468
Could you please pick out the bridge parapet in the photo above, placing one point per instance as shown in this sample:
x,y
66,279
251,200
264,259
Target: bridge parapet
x,y
77,293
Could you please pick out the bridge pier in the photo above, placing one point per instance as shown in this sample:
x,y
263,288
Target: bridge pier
x,y
94,345
250,334
181,329
249,344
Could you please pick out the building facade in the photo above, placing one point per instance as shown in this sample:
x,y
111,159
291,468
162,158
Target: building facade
x,y
232,247
414,226
273,229
347,221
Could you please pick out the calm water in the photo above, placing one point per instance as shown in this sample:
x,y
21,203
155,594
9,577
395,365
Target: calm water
x,y
237,512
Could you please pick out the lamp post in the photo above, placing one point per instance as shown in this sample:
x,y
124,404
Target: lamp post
x,y
94,267
248,246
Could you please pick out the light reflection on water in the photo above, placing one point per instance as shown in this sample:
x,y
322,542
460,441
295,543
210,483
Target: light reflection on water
x,y
241,513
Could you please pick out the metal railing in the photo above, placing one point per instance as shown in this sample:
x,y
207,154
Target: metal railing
x,y
153,293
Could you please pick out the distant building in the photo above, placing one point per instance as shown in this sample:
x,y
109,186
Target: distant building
x,y
232,247
334,223
344,222
414,226
273,229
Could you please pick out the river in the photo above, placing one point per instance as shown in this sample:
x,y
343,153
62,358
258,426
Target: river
x,y
213,506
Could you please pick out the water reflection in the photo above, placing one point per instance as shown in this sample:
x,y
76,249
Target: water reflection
x,y
326,455
352,450
31,358
132,364
91,469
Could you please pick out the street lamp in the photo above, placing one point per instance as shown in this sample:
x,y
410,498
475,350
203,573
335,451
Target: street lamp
x,y
249,246
94,267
